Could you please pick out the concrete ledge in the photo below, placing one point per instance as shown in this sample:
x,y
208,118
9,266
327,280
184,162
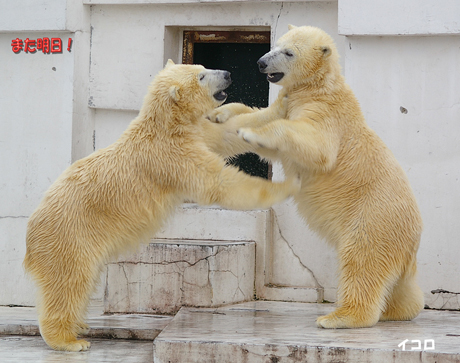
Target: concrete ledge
x,y
193,222
23,321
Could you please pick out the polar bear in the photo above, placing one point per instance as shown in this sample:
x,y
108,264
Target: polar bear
x,y
120,195
354,193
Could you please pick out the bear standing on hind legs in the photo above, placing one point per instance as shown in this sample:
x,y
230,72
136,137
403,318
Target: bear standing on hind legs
x,y
354,193
122,194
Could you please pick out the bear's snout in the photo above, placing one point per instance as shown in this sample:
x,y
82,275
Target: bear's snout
x,y
262,64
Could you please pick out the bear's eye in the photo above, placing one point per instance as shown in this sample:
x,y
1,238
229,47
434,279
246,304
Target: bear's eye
x,y
288,53
202,77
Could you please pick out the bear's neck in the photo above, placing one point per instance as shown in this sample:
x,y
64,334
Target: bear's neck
x,y
162,119
320,83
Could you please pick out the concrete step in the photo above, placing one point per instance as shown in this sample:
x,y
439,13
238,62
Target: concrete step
x,y
165,275
267,331
191,221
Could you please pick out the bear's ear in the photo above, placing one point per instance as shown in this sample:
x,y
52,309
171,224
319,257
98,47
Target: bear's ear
x,y
290,27
169,63
326,51
174,93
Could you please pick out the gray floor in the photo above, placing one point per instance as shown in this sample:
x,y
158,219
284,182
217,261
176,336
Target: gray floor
x,y
127,337
22,349
254,332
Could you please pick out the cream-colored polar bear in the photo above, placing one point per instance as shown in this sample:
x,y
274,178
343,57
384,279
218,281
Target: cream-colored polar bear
x,y
121,194
354,193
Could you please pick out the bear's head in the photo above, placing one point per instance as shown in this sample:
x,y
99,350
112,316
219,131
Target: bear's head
x,y
302,55
192,89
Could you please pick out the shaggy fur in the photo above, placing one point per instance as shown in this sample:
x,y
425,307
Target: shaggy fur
x,y
354,193
120,195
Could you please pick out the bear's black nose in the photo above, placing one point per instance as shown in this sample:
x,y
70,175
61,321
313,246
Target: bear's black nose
x,y
227,75
262,64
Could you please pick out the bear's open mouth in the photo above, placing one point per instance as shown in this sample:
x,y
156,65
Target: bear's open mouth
x,y
220,96
275,77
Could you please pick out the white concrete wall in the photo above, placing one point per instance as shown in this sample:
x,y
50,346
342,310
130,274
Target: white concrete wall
x,y
33,15
40,112
396,17
48,117
124,58
35,141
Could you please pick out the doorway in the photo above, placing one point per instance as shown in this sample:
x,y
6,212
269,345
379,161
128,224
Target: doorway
x,y
236,52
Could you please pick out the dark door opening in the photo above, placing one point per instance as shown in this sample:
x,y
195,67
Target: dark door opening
x,y
236,52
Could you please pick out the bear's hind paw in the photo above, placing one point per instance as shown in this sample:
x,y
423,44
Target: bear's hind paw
x,y
330,322
79,345
83,329
344,321
72,346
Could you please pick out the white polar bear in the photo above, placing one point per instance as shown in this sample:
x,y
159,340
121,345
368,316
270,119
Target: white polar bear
x,y
354,193
122,194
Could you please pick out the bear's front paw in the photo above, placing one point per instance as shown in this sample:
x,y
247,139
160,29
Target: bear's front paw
x,y
250,137
224,113
219,115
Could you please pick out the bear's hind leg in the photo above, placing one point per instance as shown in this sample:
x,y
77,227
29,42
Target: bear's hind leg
x,y
406,299
363,286
83,328
63,307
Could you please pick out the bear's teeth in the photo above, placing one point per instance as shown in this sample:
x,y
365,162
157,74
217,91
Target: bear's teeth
x,y
220,96
275,77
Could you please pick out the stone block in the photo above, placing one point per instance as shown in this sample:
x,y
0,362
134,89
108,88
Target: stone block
x,y
165,275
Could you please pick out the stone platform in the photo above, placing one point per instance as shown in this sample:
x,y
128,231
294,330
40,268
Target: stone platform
x,y
268,332
254,332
